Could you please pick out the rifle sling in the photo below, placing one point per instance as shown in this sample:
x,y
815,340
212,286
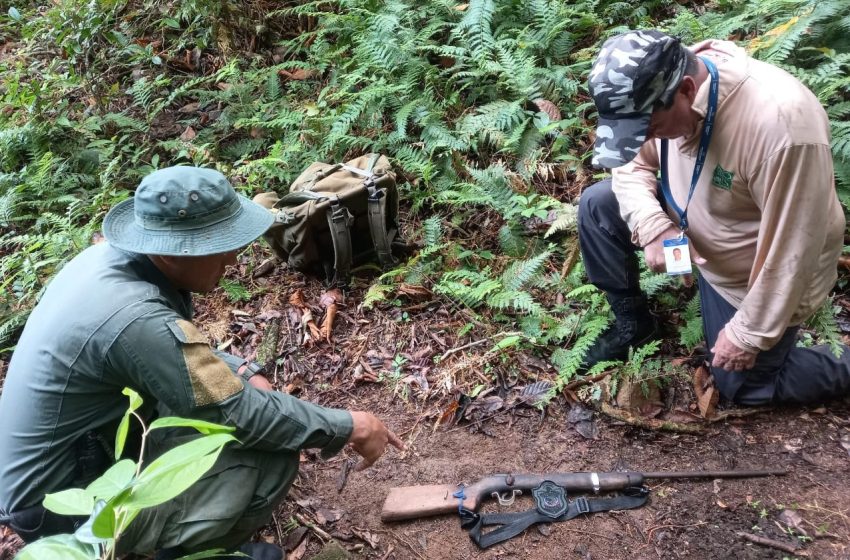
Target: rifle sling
x,y
512,524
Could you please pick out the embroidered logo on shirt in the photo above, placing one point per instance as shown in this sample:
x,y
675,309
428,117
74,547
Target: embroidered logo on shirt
x,y
722,178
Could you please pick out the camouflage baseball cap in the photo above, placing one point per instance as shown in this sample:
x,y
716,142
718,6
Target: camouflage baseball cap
x,y
633,72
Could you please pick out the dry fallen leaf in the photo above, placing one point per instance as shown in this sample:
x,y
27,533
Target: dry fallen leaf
x,y
793,520
188,134
534,393
329,300
707,394
297,299
295,538
311,330
298,553
298,74
414,291
794,445
549,108
643,399
325,516
371,538
188,108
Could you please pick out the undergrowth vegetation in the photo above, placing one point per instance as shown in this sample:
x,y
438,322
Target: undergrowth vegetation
x,y
482,108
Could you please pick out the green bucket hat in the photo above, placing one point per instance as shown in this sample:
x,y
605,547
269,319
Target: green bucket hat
x,y
185,211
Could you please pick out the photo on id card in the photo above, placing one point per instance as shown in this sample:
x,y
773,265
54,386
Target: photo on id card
x,y
677,256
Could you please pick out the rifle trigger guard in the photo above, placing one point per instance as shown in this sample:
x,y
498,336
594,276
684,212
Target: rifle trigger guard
x,y
506,500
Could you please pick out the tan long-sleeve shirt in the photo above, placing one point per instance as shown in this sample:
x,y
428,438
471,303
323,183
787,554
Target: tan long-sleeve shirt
x,y
764,214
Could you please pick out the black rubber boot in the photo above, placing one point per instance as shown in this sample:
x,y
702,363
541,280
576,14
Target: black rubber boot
x,y
634,327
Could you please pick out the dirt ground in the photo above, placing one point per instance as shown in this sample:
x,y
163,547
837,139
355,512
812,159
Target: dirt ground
x,y
383,360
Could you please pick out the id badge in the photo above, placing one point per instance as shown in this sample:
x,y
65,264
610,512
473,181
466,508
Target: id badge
x,y
677,256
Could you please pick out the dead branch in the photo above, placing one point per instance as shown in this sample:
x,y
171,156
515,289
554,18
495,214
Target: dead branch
x,y
448,353
764,541
650,423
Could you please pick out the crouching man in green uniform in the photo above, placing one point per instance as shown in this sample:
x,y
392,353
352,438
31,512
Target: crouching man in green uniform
x,y
120,315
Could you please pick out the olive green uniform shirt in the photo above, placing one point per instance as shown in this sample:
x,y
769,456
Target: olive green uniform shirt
x,y
110,320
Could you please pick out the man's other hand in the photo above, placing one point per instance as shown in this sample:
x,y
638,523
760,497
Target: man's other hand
x,y
369,438
729,357
654,254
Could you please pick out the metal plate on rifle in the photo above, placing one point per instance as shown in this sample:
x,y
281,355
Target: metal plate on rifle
x,y
551,499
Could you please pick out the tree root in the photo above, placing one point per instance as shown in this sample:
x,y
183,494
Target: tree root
x,y
650,423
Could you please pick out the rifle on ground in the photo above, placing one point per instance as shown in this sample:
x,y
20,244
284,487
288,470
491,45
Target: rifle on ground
x,y
548,490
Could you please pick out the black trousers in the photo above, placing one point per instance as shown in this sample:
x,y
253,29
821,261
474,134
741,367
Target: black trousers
x,y
35,522
785,373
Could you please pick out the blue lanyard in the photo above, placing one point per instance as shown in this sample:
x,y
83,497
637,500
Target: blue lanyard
x,y
704,141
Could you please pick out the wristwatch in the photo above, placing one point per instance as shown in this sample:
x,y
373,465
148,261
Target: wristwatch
x,y
251,369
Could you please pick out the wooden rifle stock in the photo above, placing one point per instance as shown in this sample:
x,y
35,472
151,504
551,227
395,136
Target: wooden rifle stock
x,y
412,502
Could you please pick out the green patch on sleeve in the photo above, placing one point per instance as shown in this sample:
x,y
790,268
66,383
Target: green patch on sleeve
x,y
211,379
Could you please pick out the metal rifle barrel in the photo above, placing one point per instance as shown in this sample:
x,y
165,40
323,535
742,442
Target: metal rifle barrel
x,y
715,474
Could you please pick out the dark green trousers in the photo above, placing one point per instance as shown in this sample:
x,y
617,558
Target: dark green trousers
x,y
222,510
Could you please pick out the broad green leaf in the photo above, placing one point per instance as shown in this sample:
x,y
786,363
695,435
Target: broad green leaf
x,y
135,399
74,501
58,547
84,533
203,427
113,481
104,522
124,426
176,470
507,342
171,22
14,13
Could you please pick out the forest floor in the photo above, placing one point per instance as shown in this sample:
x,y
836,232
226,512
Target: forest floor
x,y
382,360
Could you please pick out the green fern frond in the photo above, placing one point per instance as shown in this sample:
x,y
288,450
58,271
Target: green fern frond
x,y
511,242
520,273
432,230
652,283
566,220
515,299
570,361
825,326
691,333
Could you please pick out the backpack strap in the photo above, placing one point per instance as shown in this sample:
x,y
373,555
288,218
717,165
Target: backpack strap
x,y
298,197
377,214
377,211
339,223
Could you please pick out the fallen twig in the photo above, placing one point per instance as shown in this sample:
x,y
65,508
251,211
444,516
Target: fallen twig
x,y
572,385
313,527
451,351
648,538
737,413
764,541
347,467
395,535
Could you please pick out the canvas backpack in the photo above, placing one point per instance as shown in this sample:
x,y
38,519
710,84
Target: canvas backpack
x,y
335,217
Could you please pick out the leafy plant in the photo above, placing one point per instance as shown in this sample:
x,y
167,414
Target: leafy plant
x,y
690,332
113,500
